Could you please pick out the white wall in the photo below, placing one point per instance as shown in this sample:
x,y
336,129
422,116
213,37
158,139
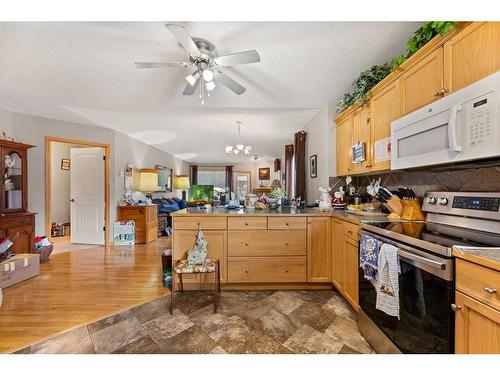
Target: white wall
x,y
140,155
317,143
5,123
32,130
332,140
60,181
253,168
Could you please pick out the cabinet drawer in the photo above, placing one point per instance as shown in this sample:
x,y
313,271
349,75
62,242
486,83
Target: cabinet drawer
x,y
351,231
192,222
266,270
286,222
17,221
250,222
266,242
475,281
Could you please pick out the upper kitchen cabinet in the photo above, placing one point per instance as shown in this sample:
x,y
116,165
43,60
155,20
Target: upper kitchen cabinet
x,y
344,144
385,108
423,83
471,54
361,132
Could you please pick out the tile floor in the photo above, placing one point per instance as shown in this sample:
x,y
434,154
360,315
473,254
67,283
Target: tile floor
x,y
246,322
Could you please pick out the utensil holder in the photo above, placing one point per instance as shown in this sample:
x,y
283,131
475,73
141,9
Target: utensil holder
x,y
395,206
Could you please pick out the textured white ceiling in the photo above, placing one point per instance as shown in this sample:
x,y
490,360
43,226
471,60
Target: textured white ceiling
x,y
84,72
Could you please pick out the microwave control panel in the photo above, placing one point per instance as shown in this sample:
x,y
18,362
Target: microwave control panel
x,y
480,124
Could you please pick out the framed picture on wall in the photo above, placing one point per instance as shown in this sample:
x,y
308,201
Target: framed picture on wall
x,y
65,164
313,166
264,173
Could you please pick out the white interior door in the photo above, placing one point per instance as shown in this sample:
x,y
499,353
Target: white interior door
x,y
87,195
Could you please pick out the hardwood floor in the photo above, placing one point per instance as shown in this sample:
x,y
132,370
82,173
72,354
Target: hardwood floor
x,y
78,287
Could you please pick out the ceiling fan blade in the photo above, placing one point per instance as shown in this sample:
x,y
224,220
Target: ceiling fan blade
x,y
245,57
189,90
154,65
231,84
184,39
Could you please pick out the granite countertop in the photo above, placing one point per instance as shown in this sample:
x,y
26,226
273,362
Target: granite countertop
x,y
339,214
488,257
253,212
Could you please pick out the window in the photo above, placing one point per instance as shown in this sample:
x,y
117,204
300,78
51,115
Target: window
x,y
212,176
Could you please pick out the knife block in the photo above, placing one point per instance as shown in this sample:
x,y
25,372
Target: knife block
x,y
405,209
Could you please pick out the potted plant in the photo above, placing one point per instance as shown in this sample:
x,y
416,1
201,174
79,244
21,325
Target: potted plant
x,y
275,198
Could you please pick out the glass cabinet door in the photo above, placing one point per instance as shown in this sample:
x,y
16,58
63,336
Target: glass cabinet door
x,y
13,171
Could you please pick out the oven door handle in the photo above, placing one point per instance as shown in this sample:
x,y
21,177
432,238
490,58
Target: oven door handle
x,y
421,259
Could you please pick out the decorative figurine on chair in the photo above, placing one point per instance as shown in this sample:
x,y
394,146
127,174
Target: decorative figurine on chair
x,y
198,254
325,201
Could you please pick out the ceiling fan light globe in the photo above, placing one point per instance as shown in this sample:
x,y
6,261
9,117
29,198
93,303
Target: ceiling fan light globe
x,y
208,75
229,149
246,151
240,147
192,78
236,151
210,85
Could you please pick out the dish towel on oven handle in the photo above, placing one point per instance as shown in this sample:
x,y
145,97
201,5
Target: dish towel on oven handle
x,y
388,280
368,257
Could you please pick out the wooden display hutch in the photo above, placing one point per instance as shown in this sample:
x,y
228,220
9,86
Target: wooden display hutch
x,y
16,222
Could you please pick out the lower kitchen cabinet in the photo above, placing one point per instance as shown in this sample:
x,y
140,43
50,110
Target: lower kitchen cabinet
x,y
318,249
338,255
345,260
351,266
477,327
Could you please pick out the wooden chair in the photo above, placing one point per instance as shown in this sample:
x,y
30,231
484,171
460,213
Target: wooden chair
x,y
181,267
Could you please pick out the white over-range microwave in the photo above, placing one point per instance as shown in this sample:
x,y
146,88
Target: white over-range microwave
x,y
463,126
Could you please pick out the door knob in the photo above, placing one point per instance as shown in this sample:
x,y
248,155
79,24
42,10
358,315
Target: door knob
x,y
455,307
72,200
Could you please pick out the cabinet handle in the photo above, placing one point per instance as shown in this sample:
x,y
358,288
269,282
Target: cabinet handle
x,y
286,243
441,92
490,290
286,271
246,223
349,231
369,166
287,224
247,244
455,307
246,271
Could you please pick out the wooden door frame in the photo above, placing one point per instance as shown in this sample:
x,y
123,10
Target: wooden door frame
x,y
48,181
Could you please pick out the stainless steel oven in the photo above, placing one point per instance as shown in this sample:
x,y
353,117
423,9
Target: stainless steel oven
x,y
426,291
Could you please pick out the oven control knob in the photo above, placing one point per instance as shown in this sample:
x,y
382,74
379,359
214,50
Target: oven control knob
x,y
431,200
443,201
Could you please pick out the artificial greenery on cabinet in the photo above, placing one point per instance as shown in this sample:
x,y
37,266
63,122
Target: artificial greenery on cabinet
x,y
369,78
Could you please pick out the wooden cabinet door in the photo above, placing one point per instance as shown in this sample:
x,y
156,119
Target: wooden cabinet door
x,y
472,54
183,241
351,266
318,249
344,144
477,327
422,83
385,108
23,239
361,133
338,255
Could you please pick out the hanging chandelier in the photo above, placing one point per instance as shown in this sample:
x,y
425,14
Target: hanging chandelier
x,y
239,147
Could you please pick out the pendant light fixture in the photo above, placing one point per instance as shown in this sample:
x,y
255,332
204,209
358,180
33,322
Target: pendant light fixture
x,y
239,147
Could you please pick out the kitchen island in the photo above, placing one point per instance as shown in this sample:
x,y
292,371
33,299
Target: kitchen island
x,y
260,249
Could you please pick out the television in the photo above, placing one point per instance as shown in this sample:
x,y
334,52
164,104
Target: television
x,y
201,193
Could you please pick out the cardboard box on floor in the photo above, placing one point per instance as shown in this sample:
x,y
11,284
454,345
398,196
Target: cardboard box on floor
x,y
18,268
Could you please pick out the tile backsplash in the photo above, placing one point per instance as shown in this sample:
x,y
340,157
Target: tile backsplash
x,y
474,179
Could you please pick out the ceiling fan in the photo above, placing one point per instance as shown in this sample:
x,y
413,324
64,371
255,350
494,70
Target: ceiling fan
x,y
206,64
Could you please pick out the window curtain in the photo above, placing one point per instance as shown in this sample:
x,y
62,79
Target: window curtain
x,y
288,170
194,175
229,178
300,164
